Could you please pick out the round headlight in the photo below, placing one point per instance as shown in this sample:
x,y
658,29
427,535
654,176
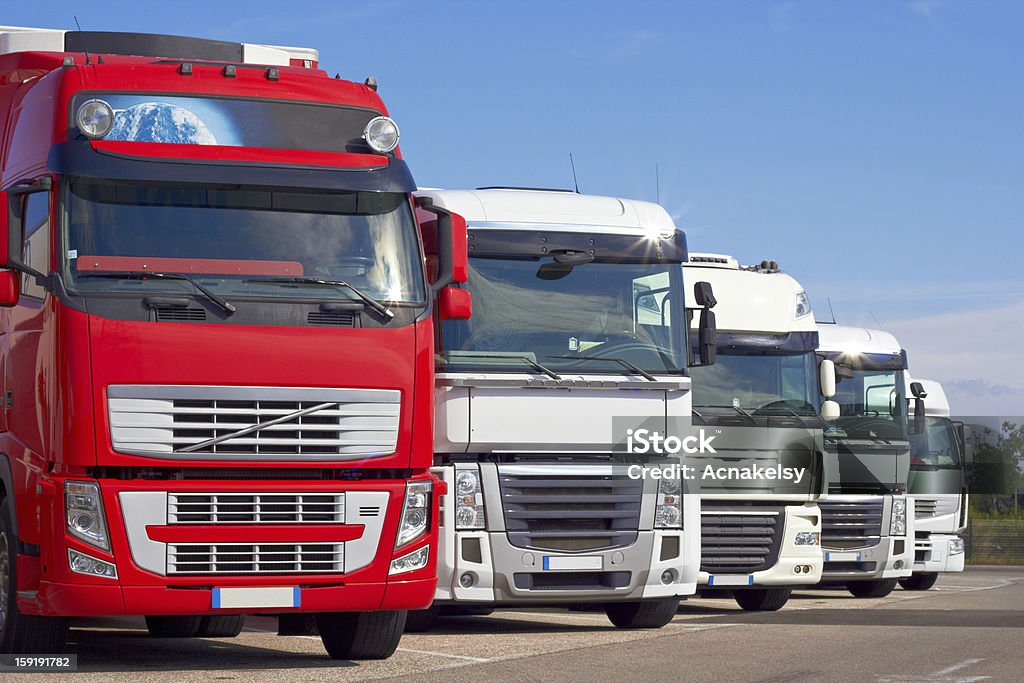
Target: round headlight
x,y
95,118
466,483
381,134
465,516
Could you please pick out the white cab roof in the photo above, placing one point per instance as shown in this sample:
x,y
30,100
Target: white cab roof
x,y
848,339
567,210
936,404
748,300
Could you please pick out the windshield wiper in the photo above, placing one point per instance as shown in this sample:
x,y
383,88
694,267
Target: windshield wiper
x,y
146,275
526,359
739,410
377,306
621,361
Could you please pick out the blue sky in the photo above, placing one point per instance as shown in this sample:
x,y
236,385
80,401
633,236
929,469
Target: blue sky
x,y
876,150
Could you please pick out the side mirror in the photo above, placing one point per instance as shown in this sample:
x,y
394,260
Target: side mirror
x,y
704,295
827,380
455,304
917,389
10,288
5,216
707,337
448,241
829,410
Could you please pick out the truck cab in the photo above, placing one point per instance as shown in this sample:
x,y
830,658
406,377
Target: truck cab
x,y
938,488
759,537
868,520
578,333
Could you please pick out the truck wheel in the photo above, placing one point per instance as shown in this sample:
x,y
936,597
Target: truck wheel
x,y
642,614
762,599
22,633
176,626
221,626
878,588
422,620
361,635
919,582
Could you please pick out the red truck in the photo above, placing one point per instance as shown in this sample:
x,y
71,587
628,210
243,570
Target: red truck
x,y
216,344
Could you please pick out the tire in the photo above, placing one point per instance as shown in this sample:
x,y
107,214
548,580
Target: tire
x,y
422,620
919,582
176,626
221,626
643,614
22,634
878,588
361,635
762,599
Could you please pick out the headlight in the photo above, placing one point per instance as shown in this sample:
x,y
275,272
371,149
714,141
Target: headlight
x,y
803,305
81,563
94,118
381,134
469,500
806,538
415,512
84,509
411,562
669,512
898,524
956,546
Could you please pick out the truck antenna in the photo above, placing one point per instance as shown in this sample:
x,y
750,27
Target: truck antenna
x,y
657,184
829,300
84,48
875,319
574,181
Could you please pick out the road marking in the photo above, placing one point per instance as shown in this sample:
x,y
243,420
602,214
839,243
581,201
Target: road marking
x,y
444,654
942,676
957,666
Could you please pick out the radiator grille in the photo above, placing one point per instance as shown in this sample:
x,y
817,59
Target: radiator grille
x,y
262,558
164,421
851,524
569,512
925,508
739,540
256,508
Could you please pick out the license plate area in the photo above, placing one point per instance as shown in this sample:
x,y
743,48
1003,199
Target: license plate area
x,y
584,563
731,580
248,598
831,556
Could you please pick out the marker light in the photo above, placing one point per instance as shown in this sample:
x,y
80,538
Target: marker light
x,y
95,118
381,134
803,305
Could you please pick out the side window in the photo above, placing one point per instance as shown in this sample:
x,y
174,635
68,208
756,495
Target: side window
x,y
36,248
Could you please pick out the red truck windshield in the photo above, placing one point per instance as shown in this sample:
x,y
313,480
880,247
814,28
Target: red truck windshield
x,y
230,238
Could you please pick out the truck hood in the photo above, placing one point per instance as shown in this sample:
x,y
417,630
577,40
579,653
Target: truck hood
x,y
158,388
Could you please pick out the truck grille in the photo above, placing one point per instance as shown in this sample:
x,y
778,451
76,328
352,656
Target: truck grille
x,y
266,558
851,524
925,507
569,512
297,424
255,508
739,539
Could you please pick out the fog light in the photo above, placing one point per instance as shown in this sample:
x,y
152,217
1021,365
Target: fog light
x,y
898,564
381,134
668,576
411,562
806,538
81,563
956,546
466,580
95,118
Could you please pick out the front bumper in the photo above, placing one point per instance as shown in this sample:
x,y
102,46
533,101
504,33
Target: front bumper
x,y
146,540
931,554
795,565
891,558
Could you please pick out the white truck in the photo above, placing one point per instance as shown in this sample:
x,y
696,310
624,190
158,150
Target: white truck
x,y
578,327
939,490
759,537
868,521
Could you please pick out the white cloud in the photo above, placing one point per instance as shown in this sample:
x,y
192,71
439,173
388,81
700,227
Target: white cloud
x,y
976,354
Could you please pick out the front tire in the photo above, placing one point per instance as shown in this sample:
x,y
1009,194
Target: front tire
x,y
642,614
221,626
174,626
422,620
22,634
361,635
878,588
921,581
762,599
